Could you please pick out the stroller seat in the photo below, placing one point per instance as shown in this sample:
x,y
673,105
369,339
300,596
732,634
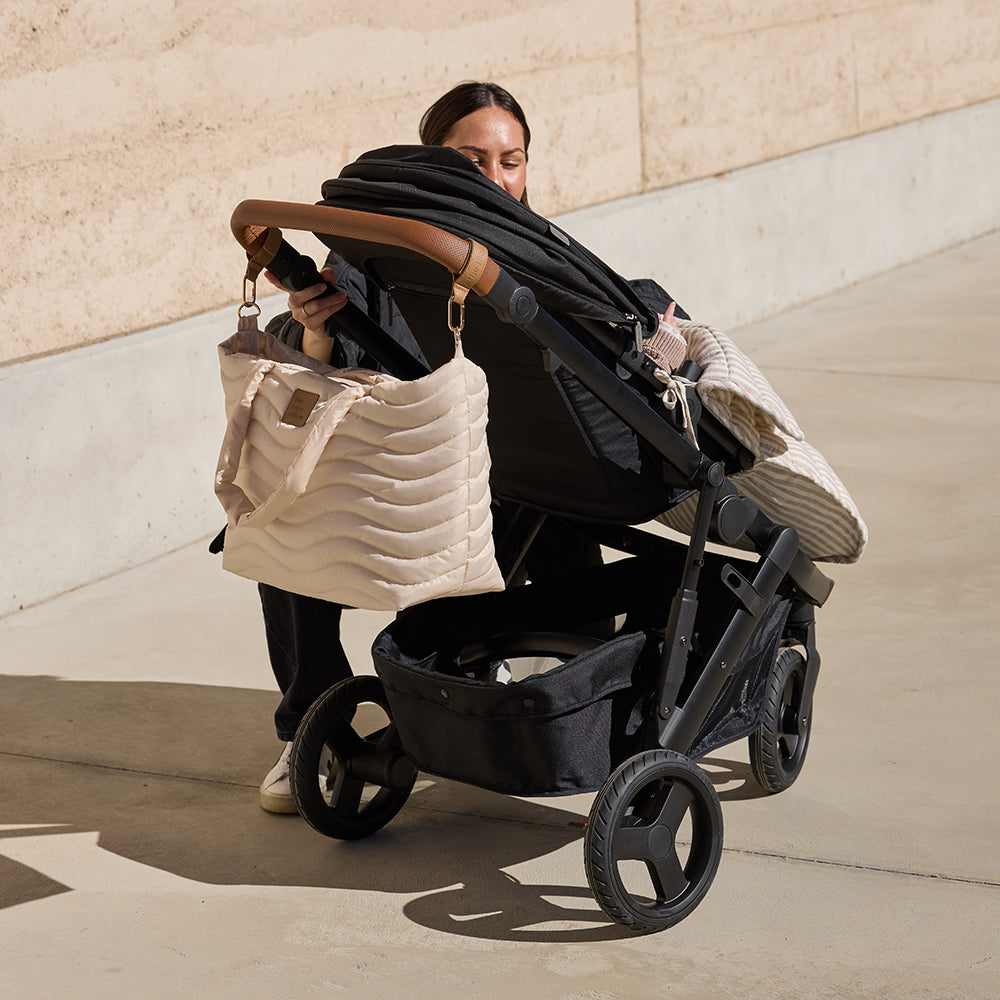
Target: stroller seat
x,y
657,658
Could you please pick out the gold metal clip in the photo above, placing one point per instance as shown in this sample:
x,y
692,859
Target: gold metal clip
x,y
249,298
456,327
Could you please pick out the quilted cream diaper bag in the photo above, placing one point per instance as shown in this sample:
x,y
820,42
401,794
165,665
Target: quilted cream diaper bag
x,y
350,485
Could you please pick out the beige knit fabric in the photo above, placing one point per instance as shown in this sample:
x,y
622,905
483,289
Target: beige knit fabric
x,y
791,481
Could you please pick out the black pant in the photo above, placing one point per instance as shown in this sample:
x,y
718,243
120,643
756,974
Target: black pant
x,y
303,642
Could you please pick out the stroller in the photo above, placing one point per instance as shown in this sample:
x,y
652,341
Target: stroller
x,y
614,678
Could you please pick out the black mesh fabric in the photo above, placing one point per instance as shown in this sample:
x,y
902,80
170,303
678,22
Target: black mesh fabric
x,y
738,709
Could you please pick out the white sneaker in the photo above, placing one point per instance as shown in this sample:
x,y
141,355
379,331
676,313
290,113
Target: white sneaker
x,y
276,789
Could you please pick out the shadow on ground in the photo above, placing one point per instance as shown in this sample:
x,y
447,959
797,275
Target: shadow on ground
x,y
167,776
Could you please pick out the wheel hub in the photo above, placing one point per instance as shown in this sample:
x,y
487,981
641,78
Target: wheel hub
x,y
661,842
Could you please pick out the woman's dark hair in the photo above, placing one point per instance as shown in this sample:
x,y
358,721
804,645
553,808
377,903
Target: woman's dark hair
x,y
440,118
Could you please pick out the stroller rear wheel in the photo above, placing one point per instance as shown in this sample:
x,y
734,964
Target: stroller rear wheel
x,y
349,775
653,841
778,747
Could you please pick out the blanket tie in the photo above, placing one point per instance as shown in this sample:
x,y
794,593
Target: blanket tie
x,y
674,395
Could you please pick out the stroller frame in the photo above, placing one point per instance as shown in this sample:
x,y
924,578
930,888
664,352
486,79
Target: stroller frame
x,y
658,791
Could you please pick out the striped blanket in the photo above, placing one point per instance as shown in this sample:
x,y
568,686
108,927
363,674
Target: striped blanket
x,y
790,481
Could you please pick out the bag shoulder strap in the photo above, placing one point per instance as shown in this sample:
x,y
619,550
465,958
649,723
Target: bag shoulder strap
x,y
239,508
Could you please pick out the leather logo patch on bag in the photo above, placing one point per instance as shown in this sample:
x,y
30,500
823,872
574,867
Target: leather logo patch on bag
x,y
299,407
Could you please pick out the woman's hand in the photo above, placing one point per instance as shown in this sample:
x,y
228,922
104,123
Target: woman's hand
x,y
312,307
667,347
668,317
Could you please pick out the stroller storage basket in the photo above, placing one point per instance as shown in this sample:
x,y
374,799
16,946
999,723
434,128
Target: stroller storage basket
x,y
565,730
555,733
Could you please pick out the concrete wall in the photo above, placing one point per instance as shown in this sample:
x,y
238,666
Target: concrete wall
x,y
130,128
749,160
747,244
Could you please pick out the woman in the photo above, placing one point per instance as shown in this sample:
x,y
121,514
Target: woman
x,y
485,123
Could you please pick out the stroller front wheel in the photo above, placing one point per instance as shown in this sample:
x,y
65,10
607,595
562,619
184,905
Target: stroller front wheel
x,y
653,841
349,775
778,747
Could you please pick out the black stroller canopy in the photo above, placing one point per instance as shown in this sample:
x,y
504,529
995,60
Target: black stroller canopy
x,y
440,186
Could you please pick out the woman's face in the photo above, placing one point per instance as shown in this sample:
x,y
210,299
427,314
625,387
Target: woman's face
x,y
494,140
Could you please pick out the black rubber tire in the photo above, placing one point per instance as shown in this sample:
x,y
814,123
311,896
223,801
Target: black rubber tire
x,y
335,801
778,748
636,817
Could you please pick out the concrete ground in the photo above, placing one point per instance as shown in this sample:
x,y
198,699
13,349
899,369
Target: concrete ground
x,y
136,726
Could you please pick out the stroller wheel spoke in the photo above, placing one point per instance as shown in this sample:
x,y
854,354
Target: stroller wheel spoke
x,y
632,843
344,738
346,795
789,725
668,877
676,805
384,739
